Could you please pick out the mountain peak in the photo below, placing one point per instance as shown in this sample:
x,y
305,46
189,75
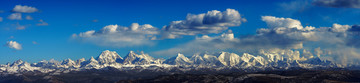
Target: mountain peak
x,y
229,59
223,59
68,62
91,63
180,59
211,60
180,55
222,52
133,58
18,62
82,59
246,57
131,52
197,59
108,57
79,61
92,59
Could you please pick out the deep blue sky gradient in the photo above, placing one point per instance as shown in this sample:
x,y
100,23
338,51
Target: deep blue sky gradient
x,y
66,17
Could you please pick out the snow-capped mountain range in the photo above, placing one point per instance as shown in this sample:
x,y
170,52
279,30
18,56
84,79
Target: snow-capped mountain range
x,y
264,60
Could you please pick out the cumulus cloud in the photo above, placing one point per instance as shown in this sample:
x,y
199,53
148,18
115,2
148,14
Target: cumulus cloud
x,y
338,3
291,32
354,28
340,28
24,9
211,22
341,41
120,36
351,36
283,33
20,27
227,41
204,43
42,23
13,45
275,22
28,17
15,16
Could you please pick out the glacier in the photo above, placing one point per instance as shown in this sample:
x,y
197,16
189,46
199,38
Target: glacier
x,y
282,60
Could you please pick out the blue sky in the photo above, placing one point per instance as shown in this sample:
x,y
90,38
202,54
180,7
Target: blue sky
x,y
68,17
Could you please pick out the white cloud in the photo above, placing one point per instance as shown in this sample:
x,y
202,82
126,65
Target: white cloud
x,y
13,45
340,42
119,36
275,22
284,33
11,37
34,42
338,3
227,41
340,28
295,6
204,43
24,9
20,27
290,31
28,17
211,22
291,7
15,16
42,23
